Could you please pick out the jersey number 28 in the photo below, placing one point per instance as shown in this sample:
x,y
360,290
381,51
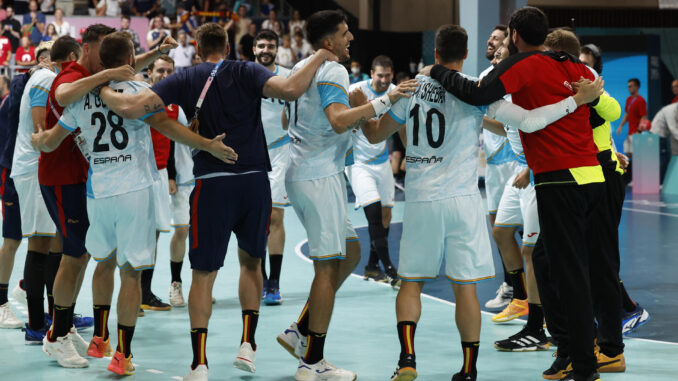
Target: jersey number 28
x,y
119,136
433,142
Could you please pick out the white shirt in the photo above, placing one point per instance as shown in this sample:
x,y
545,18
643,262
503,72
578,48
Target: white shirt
x,y
665,123
271,112
64,29
496,147
183,156
183,55
442,142
302,51
316,151
363,151
120,153
25,158
285,57
112,7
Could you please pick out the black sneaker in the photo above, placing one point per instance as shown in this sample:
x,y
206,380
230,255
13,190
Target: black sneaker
x,y
406,370
560,368
375,274
392,276
153,303
465,376
573,377
524,341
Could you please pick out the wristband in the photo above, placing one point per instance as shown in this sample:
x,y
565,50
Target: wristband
x,y
381,104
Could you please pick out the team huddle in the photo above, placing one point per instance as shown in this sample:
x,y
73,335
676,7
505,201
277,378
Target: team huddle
x,y
92,179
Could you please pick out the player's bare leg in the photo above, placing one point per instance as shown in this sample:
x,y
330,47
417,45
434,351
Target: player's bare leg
x,y
249,292
129,299
467,317
7,253
177,252
408,312
276,246
200,298
348,264
513,261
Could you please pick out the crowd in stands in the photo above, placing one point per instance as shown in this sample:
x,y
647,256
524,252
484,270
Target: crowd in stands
x,y
24,26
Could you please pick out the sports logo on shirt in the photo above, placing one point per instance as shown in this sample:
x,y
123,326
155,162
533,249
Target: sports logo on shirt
x,y
424,160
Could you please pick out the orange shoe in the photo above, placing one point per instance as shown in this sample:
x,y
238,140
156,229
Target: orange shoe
x,y
615,364
517,308
121,365
99,348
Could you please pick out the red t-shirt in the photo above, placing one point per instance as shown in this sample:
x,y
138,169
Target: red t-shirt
x,y
675,99
65,165
161,143
25,55
635,108
5,49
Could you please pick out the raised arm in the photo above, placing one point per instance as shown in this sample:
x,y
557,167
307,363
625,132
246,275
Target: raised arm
x,y
144,59
68,93
290,89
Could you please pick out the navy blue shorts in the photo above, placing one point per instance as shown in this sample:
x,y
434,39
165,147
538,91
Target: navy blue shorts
x,y
67,205
220,205
11,215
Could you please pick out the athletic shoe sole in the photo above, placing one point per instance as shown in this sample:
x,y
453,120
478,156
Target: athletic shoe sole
x,y
244,365
287,347
406,374
533,348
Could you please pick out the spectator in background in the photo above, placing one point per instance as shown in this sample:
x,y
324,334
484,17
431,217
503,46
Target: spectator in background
x,y
182,54
67,7
25,54
146,8
266,8
242,24
5,51
401,76
11,28
635,112
50,33
63,28
591,56
271,22
300,47
47,6
3,13
297,22
124,27
285,57
156,35
665,124
185,21
109,8
34,23
356,75
674,89
247,43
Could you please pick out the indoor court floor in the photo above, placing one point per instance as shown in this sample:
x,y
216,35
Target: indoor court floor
x,y
362,335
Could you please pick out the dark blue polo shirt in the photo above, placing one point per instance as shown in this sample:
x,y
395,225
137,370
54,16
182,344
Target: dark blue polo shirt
x,y
232,106
9,119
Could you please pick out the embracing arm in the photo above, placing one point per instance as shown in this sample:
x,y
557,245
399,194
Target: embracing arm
x,y
607,107
344,119
132,106
487,91
38,114
48,141
292,88
493,126
379,130
68,93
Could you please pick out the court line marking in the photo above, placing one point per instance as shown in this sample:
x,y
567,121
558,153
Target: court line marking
x,y
651,212
297,251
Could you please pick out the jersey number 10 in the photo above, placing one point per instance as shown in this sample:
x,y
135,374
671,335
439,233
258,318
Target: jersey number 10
x,y
433,142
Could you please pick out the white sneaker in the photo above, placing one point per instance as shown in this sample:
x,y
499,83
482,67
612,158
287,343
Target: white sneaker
x,y
7,317
322,371
503,298
176,295
19,295
197,374
64,352
292,340
78,342
246,359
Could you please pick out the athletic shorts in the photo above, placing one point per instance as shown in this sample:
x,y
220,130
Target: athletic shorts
x,y
181,215
280,158
453,229
35,219
321,206
518,207
628,144
162,202
67,205
496,176
11,213
120,227
239,204
372,183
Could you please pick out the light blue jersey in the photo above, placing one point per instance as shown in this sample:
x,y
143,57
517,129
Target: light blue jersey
x,y
25,158
183,156
316,151
442,142
363,151
271,116
120,150
496,147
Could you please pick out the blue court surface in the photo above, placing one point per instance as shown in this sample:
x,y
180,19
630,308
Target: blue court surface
x,y
362,335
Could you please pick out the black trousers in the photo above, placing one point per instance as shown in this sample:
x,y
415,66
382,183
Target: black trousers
x,y
574,265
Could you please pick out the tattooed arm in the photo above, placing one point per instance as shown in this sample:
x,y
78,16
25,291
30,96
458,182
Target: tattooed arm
x,y
132,106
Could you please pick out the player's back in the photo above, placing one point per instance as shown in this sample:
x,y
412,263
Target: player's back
x,y
271,113
316,150
120,151
442,143
363,151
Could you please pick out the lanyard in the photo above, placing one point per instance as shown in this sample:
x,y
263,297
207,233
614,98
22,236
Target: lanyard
x,y
203,94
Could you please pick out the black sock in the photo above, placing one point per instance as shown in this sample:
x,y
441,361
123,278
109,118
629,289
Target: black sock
x,y
263,270
535,318
373,261
175,267
470,350
51,268
101,313
125,334
60,325
302,322
3,293
71,312
518,283
316,347
250,318
276,264
34,283
146,279
627,303
199,343
378,233
406,330
507,277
